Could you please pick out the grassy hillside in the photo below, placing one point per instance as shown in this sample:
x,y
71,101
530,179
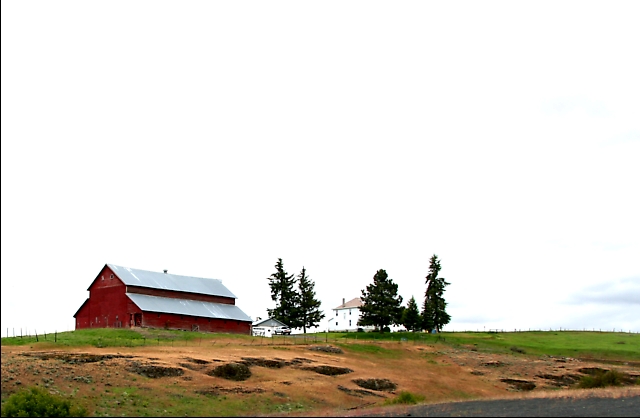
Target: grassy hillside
x,y
103,369
580,344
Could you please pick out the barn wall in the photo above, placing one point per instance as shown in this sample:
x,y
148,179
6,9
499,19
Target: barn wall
x,y
180,295
186,322
107,306
107,300
82,316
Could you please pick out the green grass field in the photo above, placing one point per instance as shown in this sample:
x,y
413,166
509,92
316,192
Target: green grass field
x,y
582,344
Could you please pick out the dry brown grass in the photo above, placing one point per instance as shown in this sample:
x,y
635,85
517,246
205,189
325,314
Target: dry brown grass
x,y
441,374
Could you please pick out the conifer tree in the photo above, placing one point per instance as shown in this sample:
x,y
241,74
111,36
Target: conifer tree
x,y
284,295
434,309
308,309
381,304
411,318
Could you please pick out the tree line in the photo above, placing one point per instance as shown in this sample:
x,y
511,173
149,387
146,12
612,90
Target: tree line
x,y
297,306
382,306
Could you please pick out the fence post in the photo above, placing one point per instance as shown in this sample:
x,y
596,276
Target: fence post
x,y
55,337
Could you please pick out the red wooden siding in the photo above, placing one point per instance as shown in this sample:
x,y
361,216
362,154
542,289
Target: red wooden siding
x,y
108,306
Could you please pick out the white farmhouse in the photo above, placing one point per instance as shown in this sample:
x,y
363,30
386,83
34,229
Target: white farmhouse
x,y
345,317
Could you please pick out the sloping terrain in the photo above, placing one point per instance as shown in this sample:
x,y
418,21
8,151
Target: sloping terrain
x,y
233,377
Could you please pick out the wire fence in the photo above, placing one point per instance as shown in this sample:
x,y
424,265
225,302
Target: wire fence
x,y
195,339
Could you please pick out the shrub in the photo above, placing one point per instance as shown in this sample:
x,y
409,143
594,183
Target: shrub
x,y
517,350
406,398
35,402
602,379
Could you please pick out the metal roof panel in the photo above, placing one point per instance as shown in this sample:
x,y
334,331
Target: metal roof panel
x,y
188,307
167,281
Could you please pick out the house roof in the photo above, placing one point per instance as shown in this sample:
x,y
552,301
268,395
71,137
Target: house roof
x,y
167,281
270,322
188,307
353,303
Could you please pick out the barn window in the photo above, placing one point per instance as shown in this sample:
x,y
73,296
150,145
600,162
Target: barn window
x,y
116,317
96,319
209,319
102,277
158,315
111,277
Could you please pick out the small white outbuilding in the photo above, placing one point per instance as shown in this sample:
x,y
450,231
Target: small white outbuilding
x,y
266,327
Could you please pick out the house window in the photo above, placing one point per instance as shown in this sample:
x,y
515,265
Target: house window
x,y
336,313
336,324
349,322
349,311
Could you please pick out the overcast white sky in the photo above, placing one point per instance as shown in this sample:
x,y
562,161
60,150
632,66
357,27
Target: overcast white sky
x,y
212,138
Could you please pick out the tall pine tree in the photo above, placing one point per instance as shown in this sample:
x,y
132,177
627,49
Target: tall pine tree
x,y
411,318
381,304
284,295
434,309
308,309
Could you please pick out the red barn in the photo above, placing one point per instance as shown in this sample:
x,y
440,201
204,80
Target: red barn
x,y
125,297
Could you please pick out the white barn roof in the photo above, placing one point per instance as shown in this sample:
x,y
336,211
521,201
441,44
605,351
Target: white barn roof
x,y
167,281
188,307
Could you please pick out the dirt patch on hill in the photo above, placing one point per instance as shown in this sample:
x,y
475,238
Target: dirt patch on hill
x,y
376,384
287,378
153,371
358,392
328,370
326,349
231,371
74,358
219,390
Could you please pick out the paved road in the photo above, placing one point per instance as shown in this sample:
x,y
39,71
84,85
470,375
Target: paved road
x,y
560,407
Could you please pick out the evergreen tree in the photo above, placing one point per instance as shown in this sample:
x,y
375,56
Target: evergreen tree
x,y
284,295
308,309
411,318
381,304
434,313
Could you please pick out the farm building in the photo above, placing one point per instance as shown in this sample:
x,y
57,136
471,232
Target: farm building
x,y
125,297
345,317
266,327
